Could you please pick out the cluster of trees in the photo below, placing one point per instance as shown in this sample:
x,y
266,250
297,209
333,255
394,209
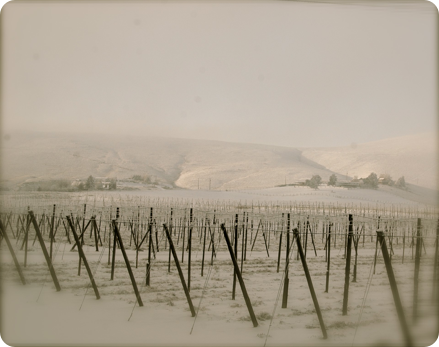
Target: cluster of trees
x,y
370,181
48,186
92,184
332,180
314,181
400,182
144,179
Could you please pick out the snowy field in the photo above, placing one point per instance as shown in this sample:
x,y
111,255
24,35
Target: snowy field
x,y
36,313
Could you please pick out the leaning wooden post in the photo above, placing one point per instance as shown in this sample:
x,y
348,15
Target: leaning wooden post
x,y
287,264
82,255
180,272
241,281
310,285
43,248
417,265
328,243
235,255
51,231
394,287
127,262
348,268
11,249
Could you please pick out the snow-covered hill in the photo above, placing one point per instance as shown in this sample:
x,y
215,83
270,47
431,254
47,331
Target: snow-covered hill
x,y
415,157
201,163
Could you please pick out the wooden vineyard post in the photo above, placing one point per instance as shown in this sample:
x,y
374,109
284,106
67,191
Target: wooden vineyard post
x,y
242,243
280,244
245,243
241,281
235,255
26,239
51,236
204,248
180,272
109,244
356,239
189,244
94,228
328,243
394,287
376,248
348,268
43,248
170,234
82,255
403,244
287,264
417,265
113,256
127,262
183,236
11,250
310,285
148,264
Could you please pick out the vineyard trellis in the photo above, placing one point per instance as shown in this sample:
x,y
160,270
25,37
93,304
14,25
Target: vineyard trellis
x,y
196,225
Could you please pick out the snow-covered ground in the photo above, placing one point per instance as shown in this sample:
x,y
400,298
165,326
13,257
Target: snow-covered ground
x,y
36,314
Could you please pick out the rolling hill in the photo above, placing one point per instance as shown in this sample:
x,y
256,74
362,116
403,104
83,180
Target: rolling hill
x,y
207,164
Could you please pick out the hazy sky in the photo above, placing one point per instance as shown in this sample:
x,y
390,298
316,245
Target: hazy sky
x,y
282,73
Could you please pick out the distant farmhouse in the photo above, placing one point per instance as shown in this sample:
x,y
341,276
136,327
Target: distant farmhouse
x,y
99,183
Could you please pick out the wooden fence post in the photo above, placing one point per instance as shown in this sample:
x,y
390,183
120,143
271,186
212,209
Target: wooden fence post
x,y
235,255
310,285
43,248
328,243
189,244
11,250
82,255
180,272
417,266
394,287
287,264
127,262
241,281
348,268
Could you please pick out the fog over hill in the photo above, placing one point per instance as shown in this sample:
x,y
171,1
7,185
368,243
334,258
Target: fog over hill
x,y
222,165
415,157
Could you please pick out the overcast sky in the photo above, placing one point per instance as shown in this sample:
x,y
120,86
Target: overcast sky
x,y
293,74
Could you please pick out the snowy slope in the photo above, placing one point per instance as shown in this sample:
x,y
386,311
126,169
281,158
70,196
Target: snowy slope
x,y
414,157
185,163
201,163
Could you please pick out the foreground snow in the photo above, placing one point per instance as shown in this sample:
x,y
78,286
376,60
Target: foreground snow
x,y
37,314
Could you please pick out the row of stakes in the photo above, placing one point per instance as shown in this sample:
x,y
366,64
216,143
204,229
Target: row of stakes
x,y
117,241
